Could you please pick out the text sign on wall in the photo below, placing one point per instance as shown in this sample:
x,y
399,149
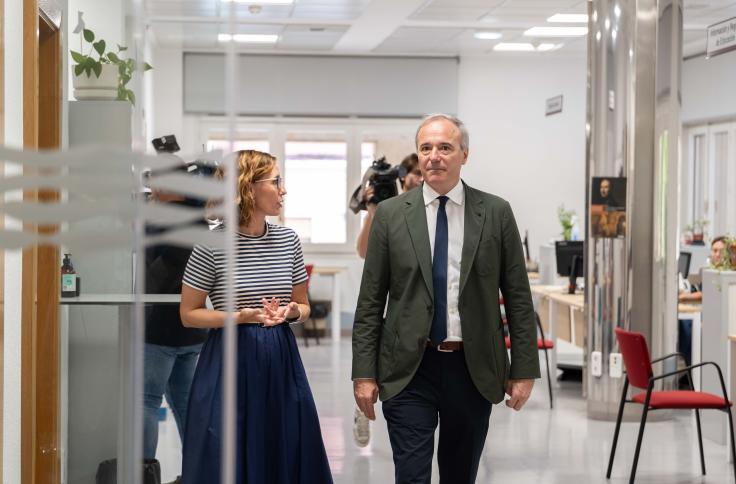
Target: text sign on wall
x,y
554,105
721,37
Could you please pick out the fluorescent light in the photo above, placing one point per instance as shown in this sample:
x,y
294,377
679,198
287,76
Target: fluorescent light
x,y
556,31
514,47
249,38
547,47
525,47
569,18
488,35
260,2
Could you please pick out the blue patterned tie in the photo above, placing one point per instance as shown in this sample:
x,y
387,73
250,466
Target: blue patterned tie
x,y
438,333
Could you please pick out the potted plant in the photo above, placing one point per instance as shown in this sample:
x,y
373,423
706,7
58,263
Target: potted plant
x,y
566,220
698,228
99,74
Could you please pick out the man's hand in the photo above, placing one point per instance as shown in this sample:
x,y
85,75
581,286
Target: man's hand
x,y
519,391
366,395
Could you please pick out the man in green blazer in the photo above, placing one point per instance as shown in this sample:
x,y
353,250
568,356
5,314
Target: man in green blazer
x,y
439,254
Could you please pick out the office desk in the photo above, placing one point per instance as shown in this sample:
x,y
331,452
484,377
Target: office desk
x,y
562,319
334,274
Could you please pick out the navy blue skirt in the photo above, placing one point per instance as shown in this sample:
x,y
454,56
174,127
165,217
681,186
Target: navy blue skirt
x,y
278,434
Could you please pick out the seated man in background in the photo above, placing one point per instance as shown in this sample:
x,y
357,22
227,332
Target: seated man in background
x,y
685,326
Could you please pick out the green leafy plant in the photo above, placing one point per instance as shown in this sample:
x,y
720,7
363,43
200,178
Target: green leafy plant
x,y
565,217
96,55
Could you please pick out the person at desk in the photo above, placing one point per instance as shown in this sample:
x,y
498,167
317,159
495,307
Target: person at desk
x,y
717,250
170,350
685,326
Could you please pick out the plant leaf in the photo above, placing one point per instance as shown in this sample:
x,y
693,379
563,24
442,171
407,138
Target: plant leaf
x,y
124,79
131,96
122,48
89,36
113,57
147,67
97,67
78,58
78,69
99,46
131,64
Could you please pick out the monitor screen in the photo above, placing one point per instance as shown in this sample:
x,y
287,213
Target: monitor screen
x,y
565,251
683,264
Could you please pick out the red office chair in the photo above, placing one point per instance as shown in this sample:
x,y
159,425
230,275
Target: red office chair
x,y
309,268
639,373
542,345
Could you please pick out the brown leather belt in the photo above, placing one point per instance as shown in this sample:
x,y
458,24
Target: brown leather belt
x,y
447,346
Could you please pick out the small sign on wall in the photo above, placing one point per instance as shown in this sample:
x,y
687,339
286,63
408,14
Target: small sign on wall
x,y
721,38
554,105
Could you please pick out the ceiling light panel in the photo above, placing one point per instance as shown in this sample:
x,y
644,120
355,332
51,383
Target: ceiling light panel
x,y
514,47
260,2
570,18
556,32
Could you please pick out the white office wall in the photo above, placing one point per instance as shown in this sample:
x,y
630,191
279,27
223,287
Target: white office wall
x,y
168,108
708,91
536,162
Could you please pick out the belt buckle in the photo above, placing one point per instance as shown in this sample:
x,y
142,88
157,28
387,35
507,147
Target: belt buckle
x,y
439,348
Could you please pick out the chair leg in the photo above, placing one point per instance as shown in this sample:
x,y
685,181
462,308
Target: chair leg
x,y
640,437
549,378
700,440
304,335
733,444
618,427
316,333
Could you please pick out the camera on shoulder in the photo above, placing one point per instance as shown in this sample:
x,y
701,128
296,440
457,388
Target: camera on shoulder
x,y
382,177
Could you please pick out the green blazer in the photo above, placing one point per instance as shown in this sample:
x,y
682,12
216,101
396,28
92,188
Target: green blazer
x,y
398,266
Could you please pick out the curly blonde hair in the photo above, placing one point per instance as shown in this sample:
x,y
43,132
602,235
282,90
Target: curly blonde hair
x,y
252,166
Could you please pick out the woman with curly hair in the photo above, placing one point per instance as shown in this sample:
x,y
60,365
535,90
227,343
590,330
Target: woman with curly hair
x,y
278,433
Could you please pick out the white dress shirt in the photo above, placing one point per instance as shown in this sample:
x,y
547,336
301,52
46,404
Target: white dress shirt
x,y
455,209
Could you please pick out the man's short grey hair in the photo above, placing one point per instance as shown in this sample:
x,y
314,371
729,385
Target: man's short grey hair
x,y
464,136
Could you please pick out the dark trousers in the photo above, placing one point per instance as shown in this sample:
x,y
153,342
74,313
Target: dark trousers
x,y
441,390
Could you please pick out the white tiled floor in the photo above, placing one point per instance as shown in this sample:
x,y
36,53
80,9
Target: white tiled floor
x,y
537,445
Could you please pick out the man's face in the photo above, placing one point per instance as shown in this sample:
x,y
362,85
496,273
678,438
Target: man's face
x,y
440,154
716,252
605,188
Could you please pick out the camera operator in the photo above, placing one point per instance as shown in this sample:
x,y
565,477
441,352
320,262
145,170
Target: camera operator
x,y
412,179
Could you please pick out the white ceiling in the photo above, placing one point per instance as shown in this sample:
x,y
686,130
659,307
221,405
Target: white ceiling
x,y
391,27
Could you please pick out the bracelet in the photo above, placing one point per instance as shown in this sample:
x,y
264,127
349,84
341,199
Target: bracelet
x,y
296,319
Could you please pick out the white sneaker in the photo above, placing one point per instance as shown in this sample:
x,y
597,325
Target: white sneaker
x,y
361,428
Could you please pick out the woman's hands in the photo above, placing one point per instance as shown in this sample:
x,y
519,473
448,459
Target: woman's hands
x,y
271,314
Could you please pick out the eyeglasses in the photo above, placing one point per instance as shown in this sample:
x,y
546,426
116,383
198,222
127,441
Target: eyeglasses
x,y
276,181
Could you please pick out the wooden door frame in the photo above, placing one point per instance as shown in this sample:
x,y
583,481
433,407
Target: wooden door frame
x,y
40,365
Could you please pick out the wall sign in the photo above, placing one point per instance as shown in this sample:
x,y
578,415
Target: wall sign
x,y
554,105
721,38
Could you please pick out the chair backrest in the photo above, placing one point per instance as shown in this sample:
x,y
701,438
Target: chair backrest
x,y
635,352
309,268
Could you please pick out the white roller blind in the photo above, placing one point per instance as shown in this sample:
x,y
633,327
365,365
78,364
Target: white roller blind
x,y
324,85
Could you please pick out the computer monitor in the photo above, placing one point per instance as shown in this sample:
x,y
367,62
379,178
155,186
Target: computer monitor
x,y
569,255
683,264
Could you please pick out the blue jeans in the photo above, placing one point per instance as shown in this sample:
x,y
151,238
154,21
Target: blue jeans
x,y
167,370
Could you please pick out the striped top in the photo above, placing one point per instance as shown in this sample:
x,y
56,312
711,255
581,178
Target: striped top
x,y
269,265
